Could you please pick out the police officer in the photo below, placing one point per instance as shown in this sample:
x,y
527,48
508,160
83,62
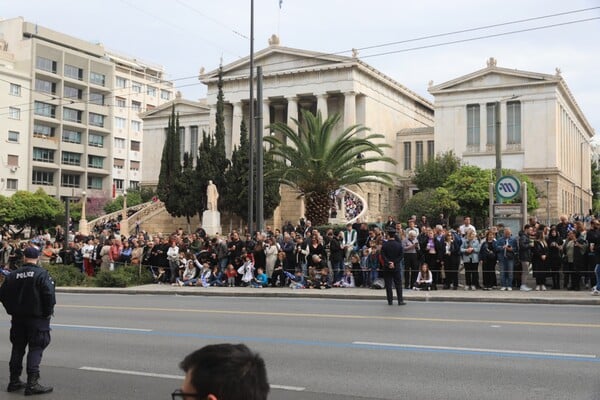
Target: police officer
x,y
392,252
28,296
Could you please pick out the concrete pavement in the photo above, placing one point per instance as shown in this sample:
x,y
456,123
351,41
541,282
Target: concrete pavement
x,y
494,296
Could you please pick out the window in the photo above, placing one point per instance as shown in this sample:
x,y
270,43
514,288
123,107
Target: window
x,y
95,162
97,79
69,158
165,95
120,122
13,136
94,182
136,106
12,160
14,113
135,145
407,156
42,178
430,150
15,90
134,165
118,183
151,91
136,126
12,184
118,163
193,141
95,140
419,153
45,64
121,82
134,185
72,115
513,123
120,102
119,143
73,72
69,180
136,87
70,136
43,131
44,109
473,127
73,93
96,119
96,98
490,110
43,155
44,86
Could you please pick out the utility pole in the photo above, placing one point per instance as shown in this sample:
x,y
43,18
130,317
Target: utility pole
x,y
251,127
260,217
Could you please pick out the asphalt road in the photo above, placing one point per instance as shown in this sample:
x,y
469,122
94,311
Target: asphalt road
x,y
129,346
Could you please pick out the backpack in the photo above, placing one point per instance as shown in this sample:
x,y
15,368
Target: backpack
x,y
378,284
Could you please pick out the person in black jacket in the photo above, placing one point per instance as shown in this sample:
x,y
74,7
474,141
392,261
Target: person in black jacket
x,y
28,296
391,251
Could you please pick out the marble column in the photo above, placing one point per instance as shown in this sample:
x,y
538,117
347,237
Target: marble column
x,y
322,105
292,111
236,121
266,111
349,109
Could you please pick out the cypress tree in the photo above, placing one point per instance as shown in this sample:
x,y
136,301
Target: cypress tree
x,y
170,166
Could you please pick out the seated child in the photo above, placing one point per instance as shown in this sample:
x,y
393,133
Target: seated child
x,y
297,280
246,270
424,279
261,280
347,279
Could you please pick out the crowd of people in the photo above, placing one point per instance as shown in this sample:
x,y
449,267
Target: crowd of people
x,y
561,256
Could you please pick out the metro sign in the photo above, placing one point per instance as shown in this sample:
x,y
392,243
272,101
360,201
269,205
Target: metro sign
x,y
508,187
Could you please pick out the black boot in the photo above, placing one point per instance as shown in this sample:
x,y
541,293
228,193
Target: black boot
x,y
33,386
15,384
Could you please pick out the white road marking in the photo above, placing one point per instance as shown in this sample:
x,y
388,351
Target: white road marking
x,y
177,377
112,328
469,349
494,326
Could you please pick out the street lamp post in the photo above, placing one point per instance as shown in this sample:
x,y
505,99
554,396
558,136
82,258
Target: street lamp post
x,y
124,221
83,224
547,201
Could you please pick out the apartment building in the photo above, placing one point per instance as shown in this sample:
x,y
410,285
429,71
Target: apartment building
x,y
73,91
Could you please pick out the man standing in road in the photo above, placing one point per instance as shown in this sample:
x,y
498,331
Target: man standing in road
x,y
28,296
391,251
223,372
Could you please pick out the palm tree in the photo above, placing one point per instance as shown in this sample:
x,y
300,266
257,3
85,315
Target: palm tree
x,y
316,163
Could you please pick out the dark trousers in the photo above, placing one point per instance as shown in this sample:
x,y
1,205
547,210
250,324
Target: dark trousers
x,y
393,277
411,268
471,274
489,273
33,333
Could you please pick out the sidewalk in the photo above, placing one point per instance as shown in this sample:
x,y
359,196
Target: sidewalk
x,y
479,296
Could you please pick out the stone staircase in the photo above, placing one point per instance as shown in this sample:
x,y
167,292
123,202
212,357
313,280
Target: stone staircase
x,y
343,217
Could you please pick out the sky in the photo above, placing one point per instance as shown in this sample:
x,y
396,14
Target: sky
x,y
185,35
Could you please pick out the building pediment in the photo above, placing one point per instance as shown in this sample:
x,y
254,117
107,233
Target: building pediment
x,y
182,106
279,59
493,77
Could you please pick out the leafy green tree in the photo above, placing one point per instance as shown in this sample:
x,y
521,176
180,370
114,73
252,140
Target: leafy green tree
x,y
170,166
134,198
217,153
430,202
435,172
24,209
187,192
315,162
205,169
469,186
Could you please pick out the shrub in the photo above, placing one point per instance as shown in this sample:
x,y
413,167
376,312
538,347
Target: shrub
x,y
66,275
123,277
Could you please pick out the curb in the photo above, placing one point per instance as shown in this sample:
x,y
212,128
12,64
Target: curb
x,y
318,294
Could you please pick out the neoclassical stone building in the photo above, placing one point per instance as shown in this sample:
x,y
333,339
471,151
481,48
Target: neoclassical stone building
x,y
297,79
543,131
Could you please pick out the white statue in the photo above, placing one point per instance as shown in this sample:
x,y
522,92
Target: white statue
x,y
212,196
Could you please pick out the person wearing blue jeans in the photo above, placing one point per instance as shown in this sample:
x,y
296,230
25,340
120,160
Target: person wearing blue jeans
x,y
506,248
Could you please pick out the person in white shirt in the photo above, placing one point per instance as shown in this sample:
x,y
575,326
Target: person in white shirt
x,y
173,258
424,279
349,240
466,226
